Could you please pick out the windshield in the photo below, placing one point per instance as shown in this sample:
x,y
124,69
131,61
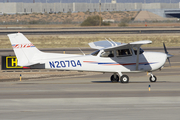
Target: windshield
x,y
95,53
140,51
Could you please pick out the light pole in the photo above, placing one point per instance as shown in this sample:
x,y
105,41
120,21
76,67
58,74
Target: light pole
x,y
99,12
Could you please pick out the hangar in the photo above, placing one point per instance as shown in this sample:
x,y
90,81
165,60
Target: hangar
x,y
172,13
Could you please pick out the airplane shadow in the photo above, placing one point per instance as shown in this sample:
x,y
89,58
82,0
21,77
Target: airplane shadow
x,y
149,82
101,81
131,82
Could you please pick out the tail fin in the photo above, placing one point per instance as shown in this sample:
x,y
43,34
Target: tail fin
x,y
24,49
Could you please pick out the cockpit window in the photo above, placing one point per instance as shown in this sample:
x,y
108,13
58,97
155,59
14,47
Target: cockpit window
x,y
123,52
95,53
107,54
140,51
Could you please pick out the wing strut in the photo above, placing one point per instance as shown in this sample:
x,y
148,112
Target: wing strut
x,y
137,60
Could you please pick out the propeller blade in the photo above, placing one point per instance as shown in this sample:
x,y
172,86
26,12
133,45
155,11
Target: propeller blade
x,y
169,62
168,55
165,48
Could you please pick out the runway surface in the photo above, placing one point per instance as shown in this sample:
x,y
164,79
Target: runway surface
x,y
94,97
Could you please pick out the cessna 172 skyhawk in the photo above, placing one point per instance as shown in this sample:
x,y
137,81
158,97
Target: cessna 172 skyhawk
x,y
112,57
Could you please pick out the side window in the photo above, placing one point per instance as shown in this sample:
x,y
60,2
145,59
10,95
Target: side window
x,y
141,51
123,52
107,54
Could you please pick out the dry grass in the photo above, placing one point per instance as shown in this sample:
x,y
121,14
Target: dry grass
x,y
63,41
74,19
61,17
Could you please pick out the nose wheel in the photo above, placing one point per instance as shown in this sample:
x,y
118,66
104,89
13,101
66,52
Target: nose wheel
x,y
152,78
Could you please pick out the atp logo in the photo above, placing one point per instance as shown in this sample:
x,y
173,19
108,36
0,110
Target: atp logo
x,y
23,45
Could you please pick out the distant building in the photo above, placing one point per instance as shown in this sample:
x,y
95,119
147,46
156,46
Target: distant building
x,y
161,9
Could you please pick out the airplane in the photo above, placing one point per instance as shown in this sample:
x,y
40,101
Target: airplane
x,y
110,57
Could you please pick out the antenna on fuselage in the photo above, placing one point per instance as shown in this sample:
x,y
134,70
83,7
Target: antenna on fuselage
x,y
113,41
110,42
82,52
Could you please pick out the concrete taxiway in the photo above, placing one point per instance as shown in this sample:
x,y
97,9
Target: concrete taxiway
x,y
92,97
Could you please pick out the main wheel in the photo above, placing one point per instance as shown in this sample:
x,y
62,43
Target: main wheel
x,y
124,79
152,79
114,80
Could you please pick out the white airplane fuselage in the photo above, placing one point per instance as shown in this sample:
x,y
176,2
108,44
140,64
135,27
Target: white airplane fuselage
x,y
148,61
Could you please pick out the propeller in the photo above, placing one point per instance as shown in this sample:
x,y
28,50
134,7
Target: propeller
x,y
168,55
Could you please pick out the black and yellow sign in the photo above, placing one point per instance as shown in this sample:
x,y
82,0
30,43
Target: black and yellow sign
x,y
9,62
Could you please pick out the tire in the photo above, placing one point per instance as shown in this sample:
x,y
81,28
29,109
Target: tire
x,y
113,80
124,79
152,79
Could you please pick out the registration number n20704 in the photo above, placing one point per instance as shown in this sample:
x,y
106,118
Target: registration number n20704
x,y
66,63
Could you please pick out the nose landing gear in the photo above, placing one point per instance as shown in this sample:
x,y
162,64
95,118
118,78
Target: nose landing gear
x,y
152,77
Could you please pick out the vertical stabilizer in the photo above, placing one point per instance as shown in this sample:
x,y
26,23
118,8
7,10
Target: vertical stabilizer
x,y
23,48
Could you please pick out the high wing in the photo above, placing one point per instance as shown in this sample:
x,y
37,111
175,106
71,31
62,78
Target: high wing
x,y
110,45
103,44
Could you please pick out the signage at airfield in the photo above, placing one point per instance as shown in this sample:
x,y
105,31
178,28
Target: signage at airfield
x,y
9,62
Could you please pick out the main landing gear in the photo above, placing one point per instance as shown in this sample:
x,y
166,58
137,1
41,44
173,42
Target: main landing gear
x,y
114,78
123,79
